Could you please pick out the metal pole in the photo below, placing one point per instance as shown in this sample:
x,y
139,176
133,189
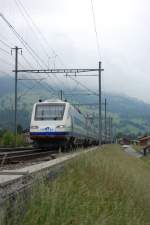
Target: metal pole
x,y
16,81
16,77
109,129
100,111
105,121
111,132
61,94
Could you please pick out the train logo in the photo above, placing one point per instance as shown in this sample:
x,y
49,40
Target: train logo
x,y
47,129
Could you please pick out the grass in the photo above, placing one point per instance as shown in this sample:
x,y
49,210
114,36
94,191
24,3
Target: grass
x,y
105,187
138,148
7,139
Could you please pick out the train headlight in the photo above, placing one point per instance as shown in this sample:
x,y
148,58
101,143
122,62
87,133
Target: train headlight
x,y
60,126
34,127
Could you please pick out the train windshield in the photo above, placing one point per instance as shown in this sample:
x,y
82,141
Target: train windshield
x,y
49,111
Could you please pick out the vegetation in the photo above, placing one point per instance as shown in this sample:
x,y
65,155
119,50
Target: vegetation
x,y
104,187
138,148
7,139
130,116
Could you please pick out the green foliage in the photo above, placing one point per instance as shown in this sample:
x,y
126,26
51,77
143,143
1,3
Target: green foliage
x,y
8,139
21,141
98,188
1,132
130,116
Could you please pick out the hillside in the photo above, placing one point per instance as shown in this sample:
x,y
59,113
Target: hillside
x,y
130,116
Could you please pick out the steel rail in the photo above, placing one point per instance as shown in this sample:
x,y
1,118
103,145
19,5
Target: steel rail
x,y
7,157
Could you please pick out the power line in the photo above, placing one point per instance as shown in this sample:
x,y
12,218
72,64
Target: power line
x,y
32,52
8,53
39,32
4,61
27,61
4,43
30,88
38,82
28,18
25,44
95,29
25,14
84,86
45,40
4,51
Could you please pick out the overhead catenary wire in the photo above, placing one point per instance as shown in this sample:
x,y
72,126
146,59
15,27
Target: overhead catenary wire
x,y
5,51
77,82
28,18
26,15
8,53
25,44
29,89
5,62
4,43
96,32
18,2
27,61
25,84
39,32
40,82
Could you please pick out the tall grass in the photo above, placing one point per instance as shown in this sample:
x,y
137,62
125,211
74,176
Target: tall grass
x,y
104,187
7,139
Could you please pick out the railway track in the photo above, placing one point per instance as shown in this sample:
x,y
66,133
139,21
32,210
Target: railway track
x,y
17,155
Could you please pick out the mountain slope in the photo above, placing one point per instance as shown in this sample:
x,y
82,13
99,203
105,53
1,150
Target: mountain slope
x,y
130,116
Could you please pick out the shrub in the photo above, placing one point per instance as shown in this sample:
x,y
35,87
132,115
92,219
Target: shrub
x,y
21,140
8,139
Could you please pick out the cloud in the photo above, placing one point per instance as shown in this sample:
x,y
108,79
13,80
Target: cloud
x,y
123,31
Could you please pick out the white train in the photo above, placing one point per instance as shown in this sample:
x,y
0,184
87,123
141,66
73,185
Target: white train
x,y
56,123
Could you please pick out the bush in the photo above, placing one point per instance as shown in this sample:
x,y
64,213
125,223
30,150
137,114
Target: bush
x,y
8,139
21,140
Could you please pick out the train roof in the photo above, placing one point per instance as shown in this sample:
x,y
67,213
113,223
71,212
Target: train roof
x,y
52,101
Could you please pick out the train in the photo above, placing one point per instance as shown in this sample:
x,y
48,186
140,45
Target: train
x,y
58,124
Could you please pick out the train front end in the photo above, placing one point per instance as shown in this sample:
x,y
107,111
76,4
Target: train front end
x,y
48,126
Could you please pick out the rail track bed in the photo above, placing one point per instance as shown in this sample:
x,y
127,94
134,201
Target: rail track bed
x,y
18,155
12,149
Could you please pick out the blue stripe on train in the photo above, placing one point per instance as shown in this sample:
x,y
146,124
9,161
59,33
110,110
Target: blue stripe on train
x,y
58,134
49,133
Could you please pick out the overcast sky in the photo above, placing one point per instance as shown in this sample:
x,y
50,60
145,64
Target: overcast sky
x,y
123,33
